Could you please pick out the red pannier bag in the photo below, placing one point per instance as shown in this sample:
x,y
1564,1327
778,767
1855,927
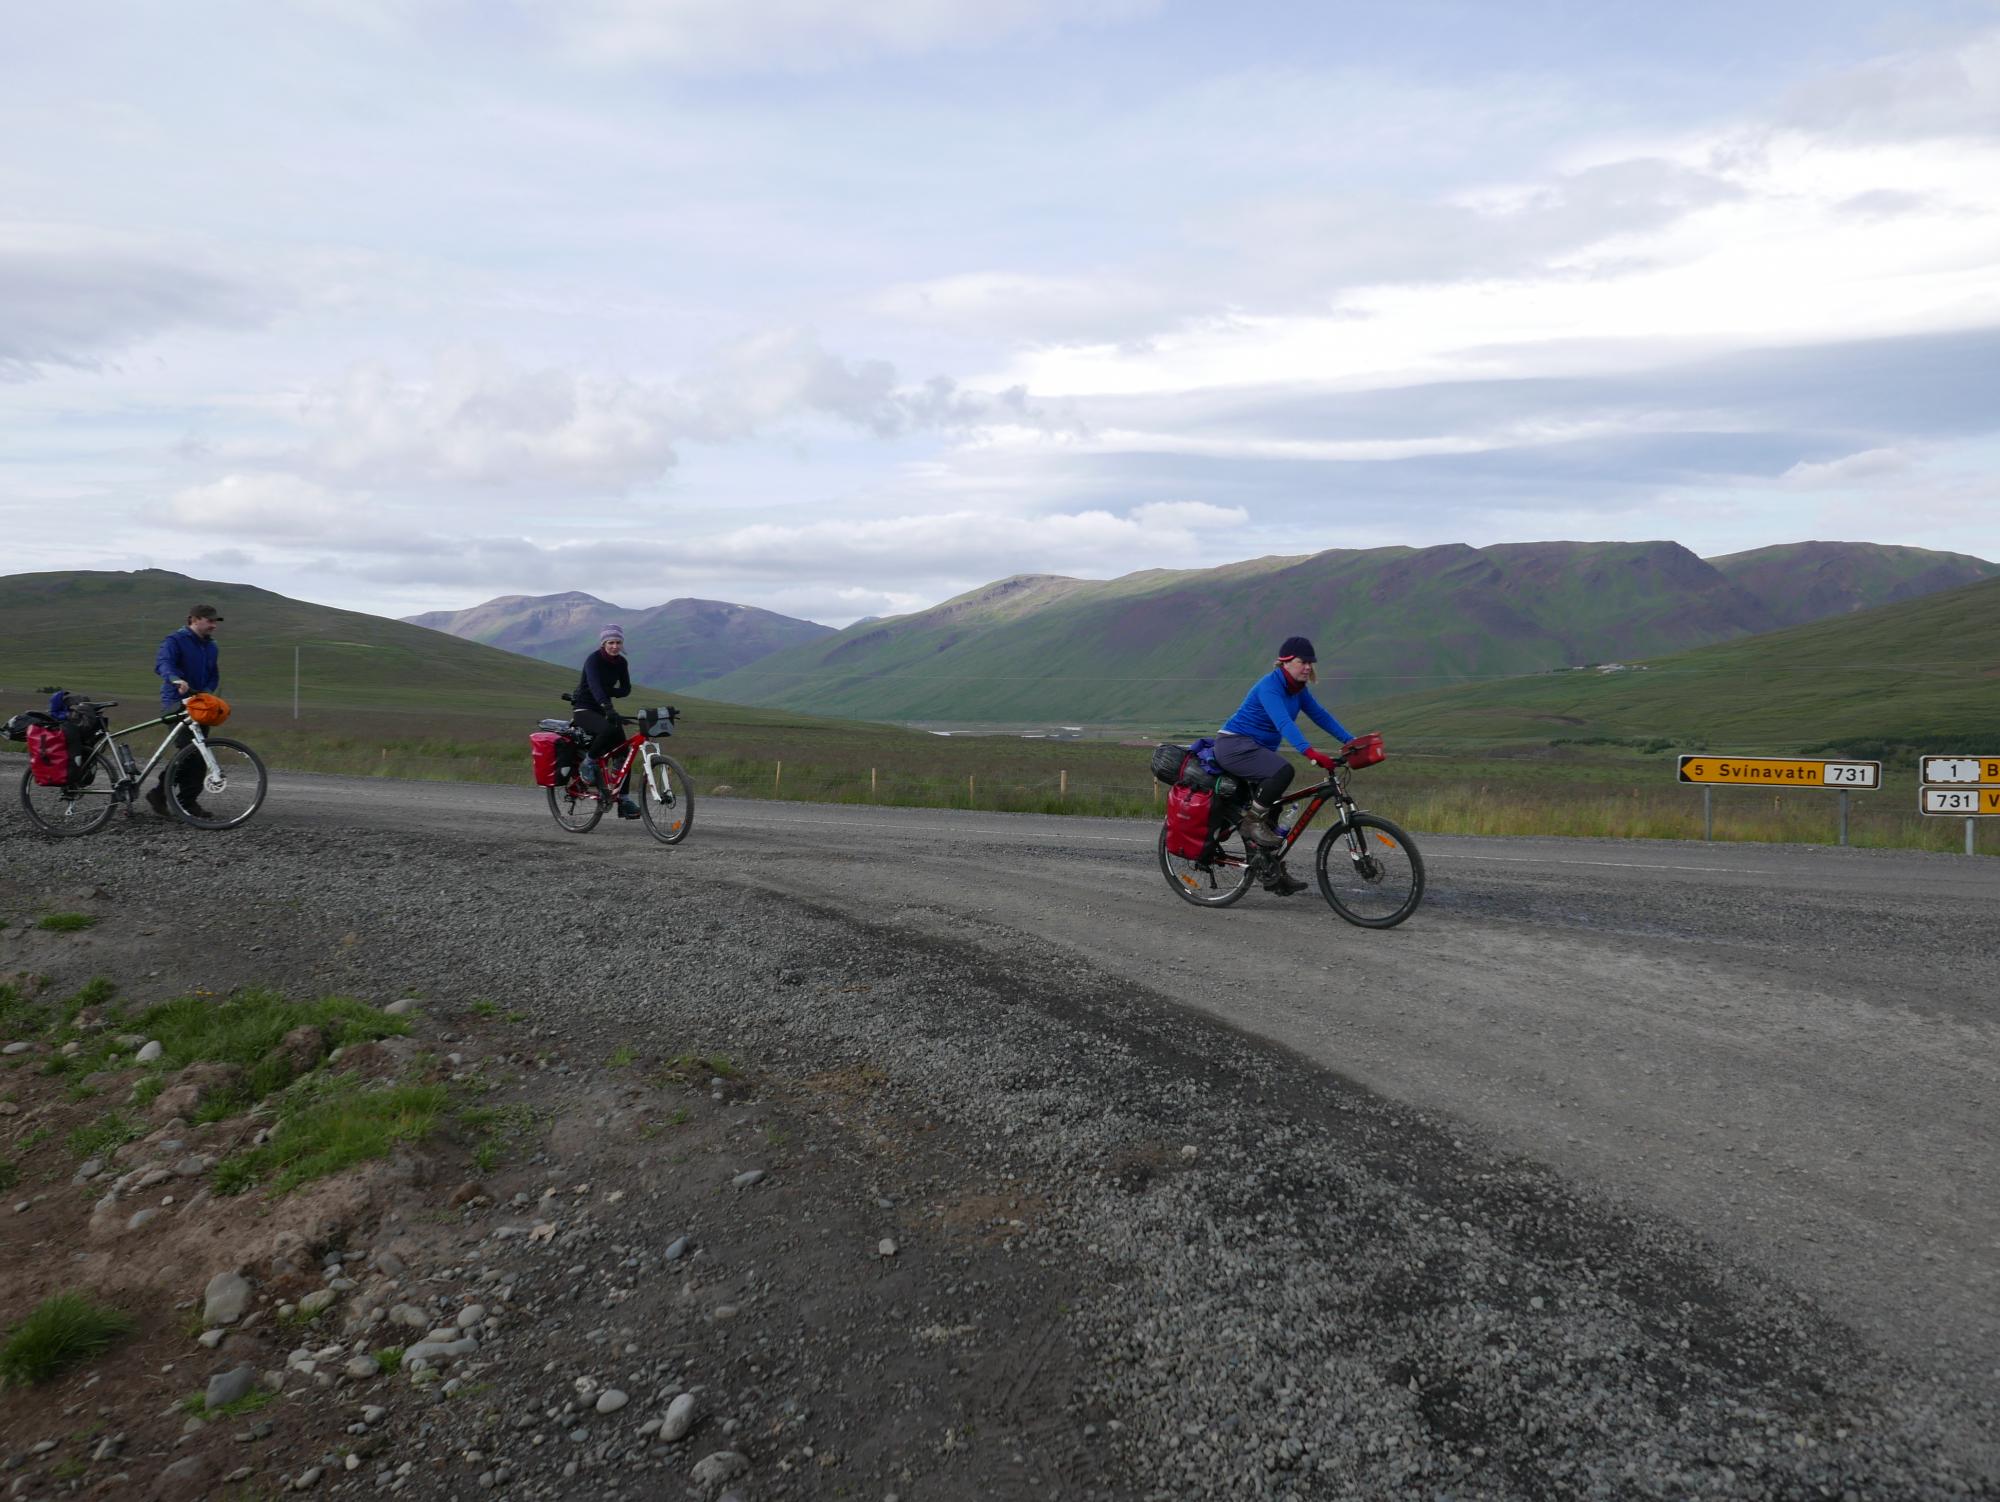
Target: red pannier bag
x,y
543,746
1187,822
48,755
1365,750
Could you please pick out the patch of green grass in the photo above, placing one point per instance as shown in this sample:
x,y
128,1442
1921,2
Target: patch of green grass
x,y
245,1028
484,1009
621,1056
36,1138
389,1358
148,1090
57,1334
67,923
112,1129
70,1469
498,1127
516,1017
332,1127
81,1090
10,1174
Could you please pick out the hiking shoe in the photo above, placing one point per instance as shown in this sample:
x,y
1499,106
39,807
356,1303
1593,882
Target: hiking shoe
x,y
628,807
1256,827
1282,883
156,800
196,811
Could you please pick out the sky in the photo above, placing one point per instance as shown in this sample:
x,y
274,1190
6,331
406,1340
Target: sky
x,y
842,309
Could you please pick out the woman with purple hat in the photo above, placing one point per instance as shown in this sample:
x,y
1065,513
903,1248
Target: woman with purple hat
x,y
606,676
1247,746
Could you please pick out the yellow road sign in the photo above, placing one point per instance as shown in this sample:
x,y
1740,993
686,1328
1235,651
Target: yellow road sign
x,y
1959,771
1779,771
1962,803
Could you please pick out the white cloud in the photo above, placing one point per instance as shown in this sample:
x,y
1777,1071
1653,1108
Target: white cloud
x,y
716,35
1833,474
476,421
265,508
74,297
1939,91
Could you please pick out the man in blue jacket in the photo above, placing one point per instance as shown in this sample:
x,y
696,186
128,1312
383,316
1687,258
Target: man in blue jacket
x,y
187,664
1247,745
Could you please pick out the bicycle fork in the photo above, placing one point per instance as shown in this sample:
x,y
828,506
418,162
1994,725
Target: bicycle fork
x,y
656,776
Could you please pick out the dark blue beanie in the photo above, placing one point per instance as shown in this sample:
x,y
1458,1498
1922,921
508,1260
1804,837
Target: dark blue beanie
x,y
1299,647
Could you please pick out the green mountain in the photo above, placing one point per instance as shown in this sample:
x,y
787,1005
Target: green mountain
x,y
1811,581
682,642
1169,644
1923,674
1181,645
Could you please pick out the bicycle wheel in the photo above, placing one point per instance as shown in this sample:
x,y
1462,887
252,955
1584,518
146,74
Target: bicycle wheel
x,y
1207,884
576,808
68,811
666,798
225,798
1369,871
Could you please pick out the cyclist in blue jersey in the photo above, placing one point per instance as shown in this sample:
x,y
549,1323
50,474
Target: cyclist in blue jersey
x,y
1247,746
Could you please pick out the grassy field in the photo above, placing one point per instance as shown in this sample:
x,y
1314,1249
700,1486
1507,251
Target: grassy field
x,y
379,698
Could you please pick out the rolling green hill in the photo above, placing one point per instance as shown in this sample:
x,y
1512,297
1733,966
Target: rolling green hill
x,y
362,678
683,642
1923,674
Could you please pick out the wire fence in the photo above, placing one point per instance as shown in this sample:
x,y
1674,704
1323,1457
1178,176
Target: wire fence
x,y
1425,800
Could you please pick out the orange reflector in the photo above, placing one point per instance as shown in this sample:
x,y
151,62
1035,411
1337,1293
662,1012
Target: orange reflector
x,y
1187,881
1385,839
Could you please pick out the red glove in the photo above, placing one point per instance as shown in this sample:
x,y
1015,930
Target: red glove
x,y
1321,759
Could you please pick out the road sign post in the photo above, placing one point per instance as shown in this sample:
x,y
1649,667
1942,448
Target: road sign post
x,y
1711,772
1954,786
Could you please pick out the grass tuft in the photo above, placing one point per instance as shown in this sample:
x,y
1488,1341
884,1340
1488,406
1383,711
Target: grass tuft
x,y
112,1129
60,1332
67,923
389,1358
332,1127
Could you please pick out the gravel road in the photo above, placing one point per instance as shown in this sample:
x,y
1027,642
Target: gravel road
x,y
1621,1170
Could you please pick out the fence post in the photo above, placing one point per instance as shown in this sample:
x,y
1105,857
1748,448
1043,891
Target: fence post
x,y
1708,813
971,790
871,782
778,778
1969,825
1062,786
1843,816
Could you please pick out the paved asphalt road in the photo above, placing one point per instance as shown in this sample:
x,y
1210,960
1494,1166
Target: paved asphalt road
x,y
1793,1050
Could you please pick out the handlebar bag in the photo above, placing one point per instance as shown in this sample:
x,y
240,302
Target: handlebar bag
x,y
542,748
206,709
1187,822
48,756
1365,750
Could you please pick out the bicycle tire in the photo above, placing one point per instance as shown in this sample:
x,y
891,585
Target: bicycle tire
x,y
66,813
575,809
1380,886
238,763
1201,885
670,824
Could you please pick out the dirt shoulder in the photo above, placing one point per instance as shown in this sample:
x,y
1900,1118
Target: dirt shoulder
x,y
1016,1228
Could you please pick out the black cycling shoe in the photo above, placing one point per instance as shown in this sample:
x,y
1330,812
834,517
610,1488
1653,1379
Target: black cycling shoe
x,y
628,807
156,800
196,811
1282,883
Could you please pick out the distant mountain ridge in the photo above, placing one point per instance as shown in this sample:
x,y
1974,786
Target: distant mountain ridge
x,y
680,643
1173,645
